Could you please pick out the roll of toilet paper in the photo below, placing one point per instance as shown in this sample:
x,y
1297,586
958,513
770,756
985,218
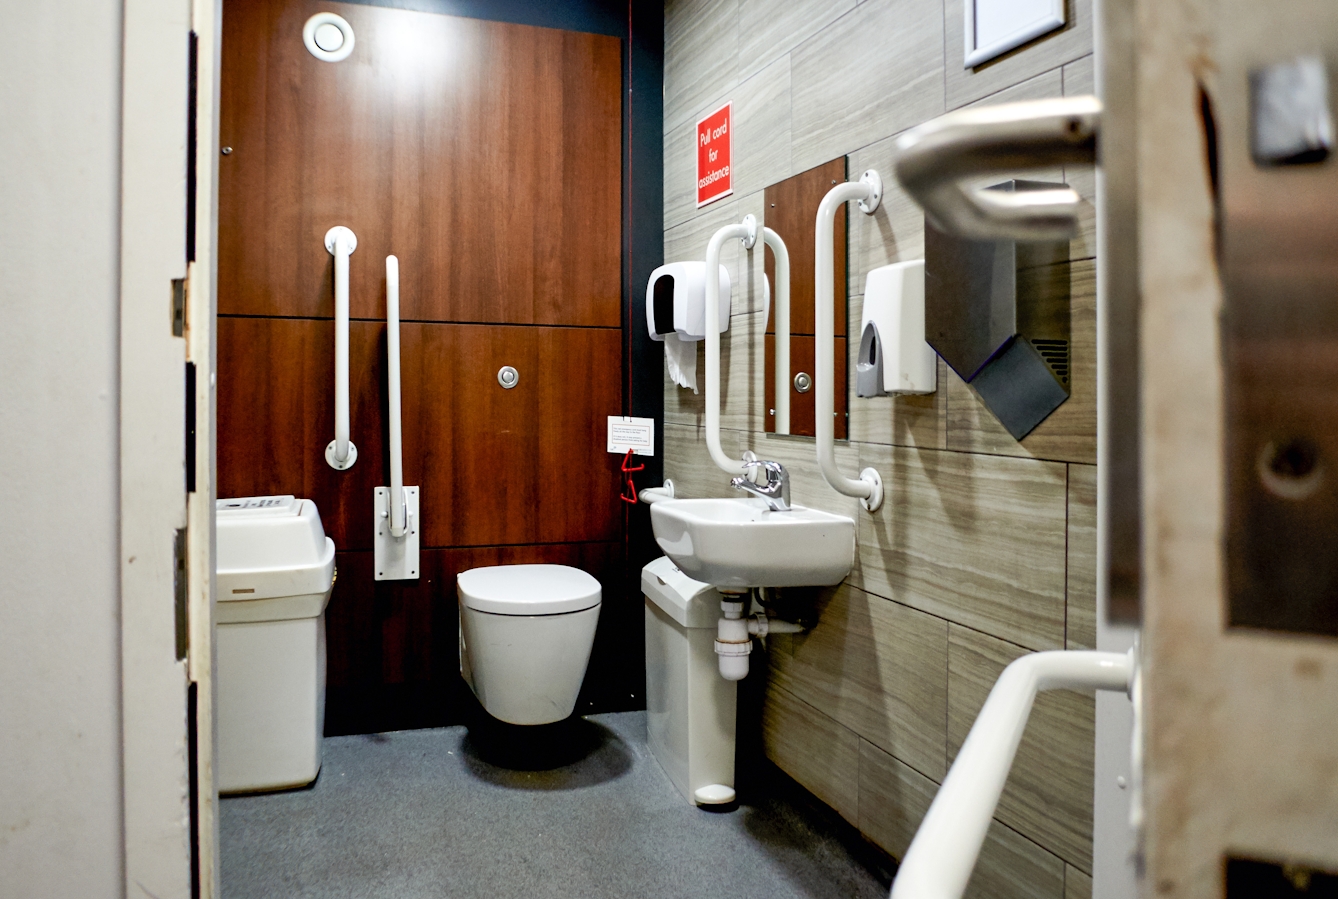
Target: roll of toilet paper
x,y
681,358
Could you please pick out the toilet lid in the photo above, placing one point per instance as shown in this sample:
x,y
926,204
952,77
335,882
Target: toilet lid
x,y
527,589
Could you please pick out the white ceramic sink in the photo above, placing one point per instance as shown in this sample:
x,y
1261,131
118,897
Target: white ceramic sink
x,y
742,543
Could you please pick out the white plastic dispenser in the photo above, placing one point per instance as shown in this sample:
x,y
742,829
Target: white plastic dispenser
x,y
676,314
893,355
690,708
275,572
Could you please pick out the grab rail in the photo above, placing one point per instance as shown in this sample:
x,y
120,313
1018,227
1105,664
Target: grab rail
x,y
934,158
943,854
745,231
869,191
397,501
341,242
781,252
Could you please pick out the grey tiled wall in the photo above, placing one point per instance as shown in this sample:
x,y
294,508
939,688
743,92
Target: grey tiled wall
x,y
984,547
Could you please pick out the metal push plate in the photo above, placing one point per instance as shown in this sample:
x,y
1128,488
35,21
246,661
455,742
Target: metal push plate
x,y
1279,265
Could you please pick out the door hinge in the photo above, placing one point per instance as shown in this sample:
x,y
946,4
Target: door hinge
x,y
178,307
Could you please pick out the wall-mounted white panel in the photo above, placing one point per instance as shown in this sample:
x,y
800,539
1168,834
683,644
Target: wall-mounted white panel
x,y
993,27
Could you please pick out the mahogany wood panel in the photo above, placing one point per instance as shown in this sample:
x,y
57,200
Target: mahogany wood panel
x,y
493,466
485,155
276,416
524,465
393,646
802,405
792,212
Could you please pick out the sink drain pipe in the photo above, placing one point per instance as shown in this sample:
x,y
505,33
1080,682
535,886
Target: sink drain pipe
x,y
734,633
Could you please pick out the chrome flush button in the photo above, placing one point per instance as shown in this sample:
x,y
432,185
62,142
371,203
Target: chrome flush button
x,y
508,377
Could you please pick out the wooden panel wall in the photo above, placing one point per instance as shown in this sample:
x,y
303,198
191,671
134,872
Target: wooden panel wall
x,y
984,547
487,157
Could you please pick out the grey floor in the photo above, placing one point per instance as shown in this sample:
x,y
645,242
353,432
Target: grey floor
x,y
422,814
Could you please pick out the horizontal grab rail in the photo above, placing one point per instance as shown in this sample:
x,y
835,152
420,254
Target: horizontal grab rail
x,y
934,158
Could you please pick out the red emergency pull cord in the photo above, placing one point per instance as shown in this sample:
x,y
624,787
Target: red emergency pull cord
x,y
629,494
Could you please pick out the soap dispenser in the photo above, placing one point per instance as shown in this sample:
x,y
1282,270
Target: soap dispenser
x,y
893,355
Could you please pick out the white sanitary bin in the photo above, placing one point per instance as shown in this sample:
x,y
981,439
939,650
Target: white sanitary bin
x,y
275,572
690,708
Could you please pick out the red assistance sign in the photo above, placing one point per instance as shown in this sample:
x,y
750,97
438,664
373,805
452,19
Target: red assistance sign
x,y
713,156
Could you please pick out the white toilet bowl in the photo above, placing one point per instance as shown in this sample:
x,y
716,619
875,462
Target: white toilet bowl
x,y
525,637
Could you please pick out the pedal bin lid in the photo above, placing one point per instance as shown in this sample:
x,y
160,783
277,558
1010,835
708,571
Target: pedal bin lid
x,y
690,603
271,547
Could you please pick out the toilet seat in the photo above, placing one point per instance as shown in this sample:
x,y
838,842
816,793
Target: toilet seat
x,y
528,590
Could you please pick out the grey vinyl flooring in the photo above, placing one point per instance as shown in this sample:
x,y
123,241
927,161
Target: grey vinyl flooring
x,y
447,813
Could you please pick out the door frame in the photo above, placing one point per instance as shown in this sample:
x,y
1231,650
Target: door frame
x,y
166,528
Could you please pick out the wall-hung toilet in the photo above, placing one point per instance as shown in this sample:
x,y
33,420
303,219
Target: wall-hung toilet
x,y
275,573
525,637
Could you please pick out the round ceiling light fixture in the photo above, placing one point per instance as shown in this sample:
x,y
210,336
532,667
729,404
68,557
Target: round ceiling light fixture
x,y
329,37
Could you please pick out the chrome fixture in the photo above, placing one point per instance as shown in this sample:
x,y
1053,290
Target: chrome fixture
x,y
934,159
508,377
776,490
803,382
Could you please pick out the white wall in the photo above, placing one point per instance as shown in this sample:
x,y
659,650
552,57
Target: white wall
x,y
60,760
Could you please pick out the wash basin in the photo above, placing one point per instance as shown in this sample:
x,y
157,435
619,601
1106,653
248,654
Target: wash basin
x,y
742,543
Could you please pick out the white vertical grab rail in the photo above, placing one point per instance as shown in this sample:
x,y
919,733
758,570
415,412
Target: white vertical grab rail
x,y
397,503
341,242
395,508
747,232
940,860
869,191
772,239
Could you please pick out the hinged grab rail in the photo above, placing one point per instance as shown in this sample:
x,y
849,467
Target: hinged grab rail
x,y
943,854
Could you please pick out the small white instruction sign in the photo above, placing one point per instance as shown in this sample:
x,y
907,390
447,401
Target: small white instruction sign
x,y
635,434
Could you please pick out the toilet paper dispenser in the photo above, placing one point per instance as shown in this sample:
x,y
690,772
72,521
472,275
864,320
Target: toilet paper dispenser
x,y
676,301
893,355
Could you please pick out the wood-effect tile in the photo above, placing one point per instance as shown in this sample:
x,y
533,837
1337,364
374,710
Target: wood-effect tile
x,y
1069,434
689,464
1046,52
850,87
893,799
689,240
895,232
920,421
813,749
975,539
803,406
1013,867
1080,632
762,128
770,30
880,669
701,55
1048,796
742,370
1077,884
